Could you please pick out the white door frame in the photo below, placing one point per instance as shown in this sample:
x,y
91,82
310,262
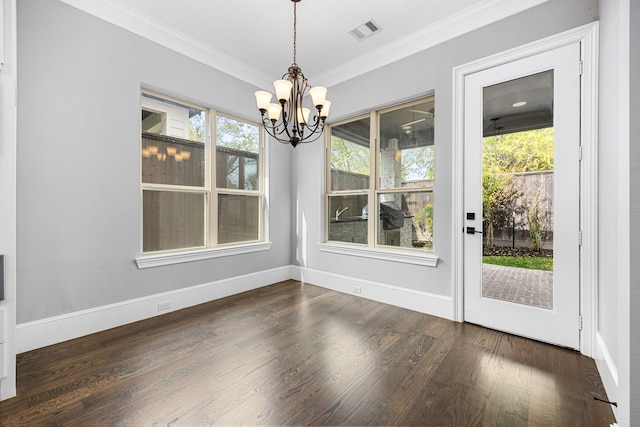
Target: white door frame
x,y
587,35
8,171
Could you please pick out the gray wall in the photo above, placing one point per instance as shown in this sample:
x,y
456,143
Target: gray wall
x,y
430,70
78,169
78,226
634,145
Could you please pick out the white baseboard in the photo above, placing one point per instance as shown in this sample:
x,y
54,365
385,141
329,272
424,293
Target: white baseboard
x,y
41,333
607,369
53,330
423,302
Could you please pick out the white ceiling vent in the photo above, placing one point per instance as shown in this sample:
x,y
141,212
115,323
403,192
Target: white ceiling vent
x,y
365,30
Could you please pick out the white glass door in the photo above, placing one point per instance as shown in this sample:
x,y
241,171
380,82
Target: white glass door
x,y
521,197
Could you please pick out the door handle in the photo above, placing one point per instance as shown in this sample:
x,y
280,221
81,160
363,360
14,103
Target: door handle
x,y
472,230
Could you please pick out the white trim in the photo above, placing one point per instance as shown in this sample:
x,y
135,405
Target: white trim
x,y
423,302
41,333
130,19
606,367
588,36
2,36
467,20
479,15
589,190
160,259
8,144
408,256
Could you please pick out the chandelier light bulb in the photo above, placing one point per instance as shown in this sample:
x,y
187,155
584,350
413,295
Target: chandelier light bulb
x,y
303,115
274,111
318,95
263,98
283,89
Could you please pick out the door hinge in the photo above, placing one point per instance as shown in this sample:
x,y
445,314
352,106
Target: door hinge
x,y
579,322
579,237
580,152
581,67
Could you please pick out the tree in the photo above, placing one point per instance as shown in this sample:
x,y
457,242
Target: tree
x,y
197,127
529,151
502,156
423,223
498,202
234,134
538,223
242,137
348,156
418,163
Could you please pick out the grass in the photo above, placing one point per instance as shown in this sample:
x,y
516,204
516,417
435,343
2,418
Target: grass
x,y
533,263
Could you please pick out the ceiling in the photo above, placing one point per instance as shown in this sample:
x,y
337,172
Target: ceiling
x,y
518,105
253,39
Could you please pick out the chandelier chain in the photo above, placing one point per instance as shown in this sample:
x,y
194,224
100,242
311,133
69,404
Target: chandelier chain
x,y
295,19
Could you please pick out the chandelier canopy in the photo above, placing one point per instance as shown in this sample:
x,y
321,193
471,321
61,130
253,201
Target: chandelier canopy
x,y
288,120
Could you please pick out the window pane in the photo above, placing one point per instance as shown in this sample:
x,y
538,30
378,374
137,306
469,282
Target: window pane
x,y
237,154
350,161
348,218
406,146
238,218
406,220
173,143
173,220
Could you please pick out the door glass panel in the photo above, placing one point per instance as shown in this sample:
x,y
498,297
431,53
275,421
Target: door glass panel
x,y
517,185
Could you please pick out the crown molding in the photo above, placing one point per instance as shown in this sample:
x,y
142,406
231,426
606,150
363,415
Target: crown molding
x,y
132,20
467,20
472,18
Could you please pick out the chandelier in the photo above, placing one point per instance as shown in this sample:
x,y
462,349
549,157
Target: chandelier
x,y
288,120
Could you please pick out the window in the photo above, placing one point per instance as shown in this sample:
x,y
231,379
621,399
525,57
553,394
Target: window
x,y
386,160
183,207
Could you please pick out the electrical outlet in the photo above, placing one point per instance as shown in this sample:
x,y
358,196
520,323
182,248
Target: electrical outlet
x,y
357,290
164,305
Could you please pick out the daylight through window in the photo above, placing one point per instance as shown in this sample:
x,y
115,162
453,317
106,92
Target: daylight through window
x,y
195,196
381,171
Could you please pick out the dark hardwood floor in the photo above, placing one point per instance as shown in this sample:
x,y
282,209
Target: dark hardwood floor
x,y
296,354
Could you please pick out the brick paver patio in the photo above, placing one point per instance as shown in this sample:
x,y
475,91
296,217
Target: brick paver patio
x,y
518,285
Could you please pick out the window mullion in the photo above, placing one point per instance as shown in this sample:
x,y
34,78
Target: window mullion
x,y
174,188
212,222
372,223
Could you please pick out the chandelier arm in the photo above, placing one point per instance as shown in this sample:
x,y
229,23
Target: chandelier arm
x,y
316,130
285,122
315,138
272,128
274,135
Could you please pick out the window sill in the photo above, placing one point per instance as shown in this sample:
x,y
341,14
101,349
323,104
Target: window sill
x,y
169,258
428,259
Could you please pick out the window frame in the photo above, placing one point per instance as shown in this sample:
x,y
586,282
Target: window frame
x,y
211,192
372,249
